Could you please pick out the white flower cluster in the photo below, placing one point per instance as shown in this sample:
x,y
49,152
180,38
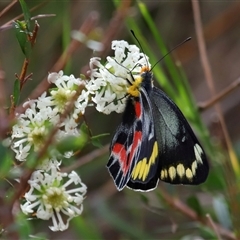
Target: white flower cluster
x,y
49,195
44,113
109,83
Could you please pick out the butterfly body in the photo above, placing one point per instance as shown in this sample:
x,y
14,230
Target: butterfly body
x,y
154,141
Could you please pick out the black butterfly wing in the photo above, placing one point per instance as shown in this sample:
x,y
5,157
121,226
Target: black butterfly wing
x,y
126,145
145,174
181,157
134,148
155,141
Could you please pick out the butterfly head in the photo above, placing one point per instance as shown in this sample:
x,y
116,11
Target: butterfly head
x,y
144,79
133,90
145,69
147,78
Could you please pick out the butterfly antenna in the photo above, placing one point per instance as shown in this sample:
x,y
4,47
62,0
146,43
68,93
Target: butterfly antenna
x,y
139,45
180,44
186,40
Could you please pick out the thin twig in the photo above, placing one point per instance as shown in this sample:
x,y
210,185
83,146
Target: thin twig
x,y
112,32
22,77
8,7
87,158
4,122
32,39
209,78
213,224
117,20
187,211
9,23
86,28
234,169
207,104
43,16
108,190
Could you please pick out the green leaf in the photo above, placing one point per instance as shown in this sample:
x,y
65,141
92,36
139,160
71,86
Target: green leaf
x,y
16,92
26,13
216,181
207,233
23,226
85,229
6,161
22,37
195,205
84,128
32,159
144,199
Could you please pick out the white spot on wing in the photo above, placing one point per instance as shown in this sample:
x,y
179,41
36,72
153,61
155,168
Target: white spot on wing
x,y
194,167
198,152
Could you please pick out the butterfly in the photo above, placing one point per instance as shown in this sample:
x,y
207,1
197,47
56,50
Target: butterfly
x,y
154,141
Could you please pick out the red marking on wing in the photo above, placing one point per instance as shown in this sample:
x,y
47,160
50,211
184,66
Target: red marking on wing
x,y
138,109
136,139
119,150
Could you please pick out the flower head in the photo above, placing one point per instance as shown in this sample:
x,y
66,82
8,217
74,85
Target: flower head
x,y
32,129
109,83
63,92
54,194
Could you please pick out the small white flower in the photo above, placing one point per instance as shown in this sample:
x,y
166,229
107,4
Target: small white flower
x,y
31,130
66,88
60,95
47,164
44,101
52,77
110,82
81,103
52,195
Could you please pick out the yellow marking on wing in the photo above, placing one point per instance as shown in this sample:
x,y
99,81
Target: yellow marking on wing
x,y
162,176
198,152
146,170
180,170
133,90
165,173
137,169
172,172
189,174
194,167
142,168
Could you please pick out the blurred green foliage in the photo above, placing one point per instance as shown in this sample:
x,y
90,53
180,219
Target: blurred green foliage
x,y
108,214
